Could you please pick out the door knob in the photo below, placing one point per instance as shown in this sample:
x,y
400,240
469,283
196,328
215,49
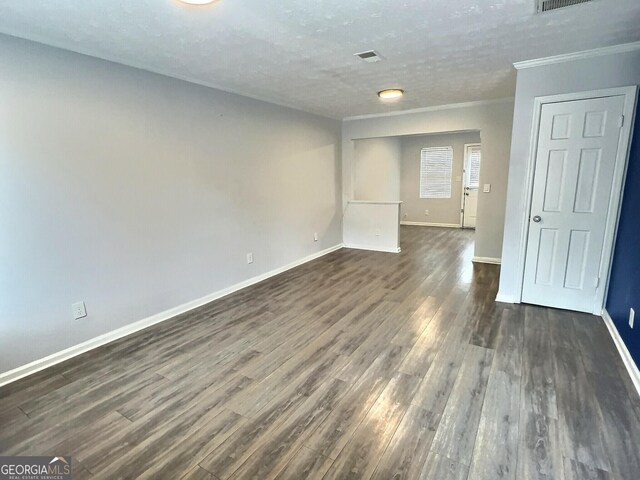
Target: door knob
x,y
537,219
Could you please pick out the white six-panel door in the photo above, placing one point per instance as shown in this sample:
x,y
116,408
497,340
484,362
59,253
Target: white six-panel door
x,y
577,147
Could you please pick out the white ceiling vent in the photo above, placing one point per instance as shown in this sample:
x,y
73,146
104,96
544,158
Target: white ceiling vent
x,y
548,5
370,56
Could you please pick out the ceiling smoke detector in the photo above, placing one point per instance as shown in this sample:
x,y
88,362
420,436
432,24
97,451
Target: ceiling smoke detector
x,y
548,5
370,56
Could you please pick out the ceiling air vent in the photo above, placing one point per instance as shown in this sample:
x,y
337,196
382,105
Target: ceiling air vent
x,y
370,56
548,5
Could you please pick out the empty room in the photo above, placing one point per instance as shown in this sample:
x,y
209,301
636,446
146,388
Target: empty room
x,y
294,239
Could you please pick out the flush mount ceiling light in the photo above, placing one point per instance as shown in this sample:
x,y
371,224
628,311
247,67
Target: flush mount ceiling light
x,y
197,2
390,93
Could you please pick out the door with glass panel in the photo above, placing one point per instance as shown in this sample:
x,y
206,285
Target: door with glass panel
x,y
470,184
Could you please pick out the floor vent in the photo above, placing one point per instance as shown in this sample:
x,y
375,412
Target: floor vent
x,y
370,56
548,5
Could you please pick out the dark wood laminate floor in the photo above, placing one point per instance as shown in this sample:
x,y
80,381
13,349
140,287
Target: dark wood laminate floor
x,y
358,365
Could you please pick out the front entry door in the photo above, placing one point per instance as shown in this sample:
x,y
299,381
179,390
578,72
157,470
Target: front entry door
x,y
575,161
471,184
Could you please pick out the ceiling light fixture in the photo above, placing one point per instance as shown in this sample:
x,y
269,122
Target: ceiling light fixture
x,y
198,2
390,93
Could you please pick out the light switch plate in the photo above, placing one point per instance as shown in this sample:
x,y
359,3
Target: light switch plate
x,y
486,188
249,257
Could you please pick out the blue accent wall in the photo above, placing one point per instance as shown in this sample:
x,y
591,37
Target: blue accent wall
x,y
624,286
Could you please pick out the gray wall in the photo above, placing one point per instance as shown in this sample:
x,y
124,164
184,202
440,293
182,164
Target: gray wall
x,y
493,120
441,210
137,193
377,174
608,71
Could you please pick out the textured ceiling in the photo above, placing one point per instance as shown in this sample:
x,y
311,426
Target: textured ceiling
x,y
300,52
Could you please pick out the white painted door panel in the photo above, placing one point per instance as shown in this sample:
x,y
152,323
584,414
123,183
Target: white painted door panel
x,y
470,207
471,184
577,147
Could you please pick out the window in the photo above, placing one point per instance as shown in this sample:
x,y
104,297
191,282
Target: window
x,y
435,172
474,166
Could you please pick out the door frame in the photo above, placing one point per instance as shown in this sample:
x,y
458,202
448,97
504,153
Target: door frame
x,y
615,200
464,167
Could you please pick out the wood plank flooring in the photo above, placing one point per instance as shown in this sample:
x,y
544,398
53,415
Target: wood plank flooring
x,y
358,365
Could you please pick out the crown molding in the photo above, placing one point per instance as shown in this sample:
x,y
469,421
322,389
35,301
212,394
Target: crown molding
x,y
435,108
569,57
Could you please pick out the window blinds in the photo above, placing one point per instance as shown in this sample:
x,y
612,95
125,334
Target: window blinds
x,y
435,172
474,167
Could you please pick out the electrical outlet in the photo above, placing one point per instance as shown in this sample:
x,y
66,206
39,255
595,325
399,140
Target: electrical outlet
x,y
632,317
486,188
249,257
378,232
315,236
426,212
406,215
79,310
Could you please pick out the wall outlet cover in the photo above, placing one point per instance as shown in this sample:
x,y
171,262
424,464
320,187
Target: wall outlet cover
x,y
315,236
79,310
249,257
486,188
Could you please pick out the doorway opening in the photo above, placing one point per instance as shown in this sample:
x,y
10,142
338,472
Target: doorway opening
x,y
425,174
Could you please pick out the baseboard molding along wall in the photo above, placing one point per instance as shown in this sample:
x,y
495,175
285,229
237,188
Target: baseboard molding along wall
x,y
58,357
491,260
505,298
372,248
427,224
631,366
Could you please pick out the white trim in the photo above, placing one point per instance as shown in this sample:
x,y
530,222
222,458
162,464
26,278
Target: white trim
x,y
491,260
615,201
435,108
505,298
372,248
58,357
627,359
428,224
568,57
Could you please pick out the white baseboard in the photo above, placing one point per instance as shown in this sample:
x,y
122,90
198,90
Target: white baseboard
x,y
505,298
427,224
58,357
372,248
631,366
491,260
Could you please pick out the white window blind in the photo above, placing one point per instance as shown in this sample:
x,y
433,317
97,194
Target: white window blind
x,y
474,167
435,172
